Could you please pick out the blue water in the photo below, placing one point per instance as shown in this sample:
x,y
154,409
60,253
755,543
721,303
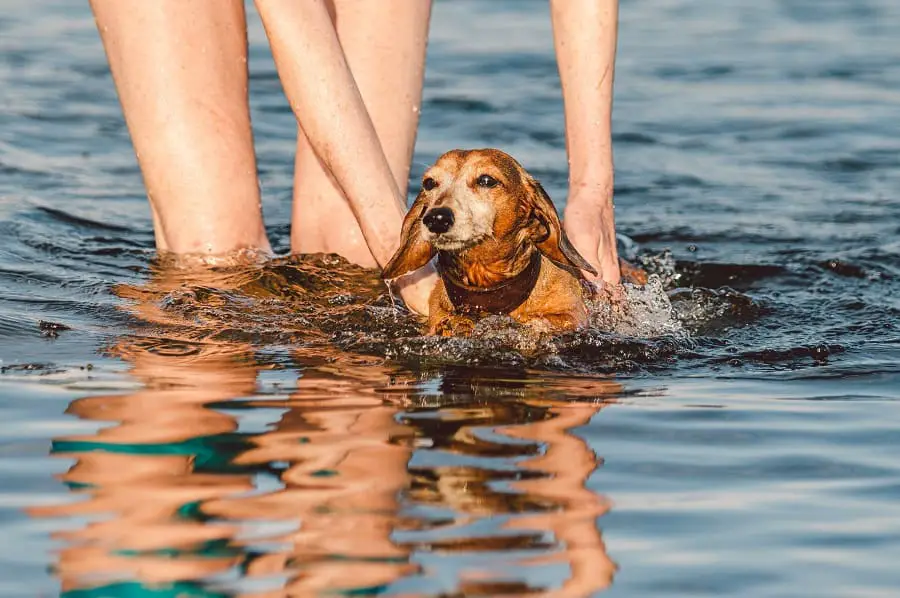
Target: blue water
x,y
283,431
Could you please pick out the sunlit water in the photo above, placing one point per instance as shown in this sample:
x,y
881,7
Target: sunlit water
x,y
284,430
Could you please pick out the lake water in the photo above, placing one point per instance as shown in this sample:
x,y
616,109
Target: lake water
x,y
284,431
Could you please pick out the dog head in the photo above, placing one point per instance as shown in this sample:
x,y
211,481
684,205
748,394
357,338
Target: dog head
x,y
481,200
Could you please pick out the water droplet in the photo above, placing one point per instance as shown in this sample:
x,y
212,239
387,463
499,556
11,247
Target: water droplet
x,y
390,290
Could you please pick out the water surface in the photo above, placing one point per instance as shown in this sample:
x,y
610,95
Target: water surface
x,y
283,430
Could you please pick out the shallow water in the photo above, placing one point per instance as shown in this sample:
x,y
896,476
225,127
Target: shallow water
x,y
283,430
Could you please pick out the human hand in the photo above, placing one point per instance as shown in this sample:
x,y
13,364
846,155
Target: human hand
x,y
590,225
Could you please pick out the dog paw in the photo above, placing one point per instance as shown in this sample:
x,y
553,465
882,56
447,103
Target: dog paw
x,y
453,326
541,326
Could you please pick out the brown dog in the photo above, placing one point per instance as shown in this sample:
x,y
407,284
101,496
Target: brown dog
x,y
499,245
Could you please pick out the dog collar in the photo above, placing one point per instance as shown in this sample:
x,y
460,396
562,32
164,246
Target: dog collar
x,y
500,299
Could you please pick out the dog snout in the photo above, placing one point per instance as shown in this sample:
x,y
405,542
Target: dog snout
x,y
438,220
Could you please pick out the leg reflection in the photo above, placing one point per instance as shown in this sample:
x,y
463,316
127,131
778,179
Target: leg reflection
x,y
345,461
141,480
359,485
568,462
505,461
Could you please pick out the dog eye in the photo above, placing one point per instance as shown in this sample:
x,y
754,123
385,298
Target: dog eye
x,y
429,183
487,180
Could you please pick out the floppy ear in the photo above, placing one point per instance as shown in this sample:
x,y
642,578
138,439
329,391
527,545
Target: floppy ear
x,y
553,242
414,251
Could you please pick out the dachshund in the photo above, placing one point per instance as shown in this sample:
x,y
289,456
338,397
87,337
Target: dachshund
x,y
499,245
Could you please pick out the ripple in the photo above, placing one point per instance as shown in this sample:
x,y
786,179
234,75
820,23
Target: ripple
x,y
285,428
460,104
635,138
848,165
706,73
67,218
679,181
713,275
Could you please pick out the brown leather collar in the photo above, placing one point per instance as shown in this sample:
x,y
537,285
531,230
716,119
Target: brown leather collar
x,y
500,299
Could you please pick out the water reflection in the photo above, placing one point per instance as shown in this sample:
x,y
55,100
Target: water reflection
x,y
351,476
143,480
506,469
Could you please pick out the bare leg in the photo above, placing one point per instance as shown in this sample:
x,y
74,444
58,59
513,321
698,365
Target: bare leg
x,y
585,36
388,69
180,68
331,112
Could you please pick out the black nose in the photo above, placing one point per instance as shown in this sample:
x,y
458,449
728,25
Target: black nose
x,y
438,220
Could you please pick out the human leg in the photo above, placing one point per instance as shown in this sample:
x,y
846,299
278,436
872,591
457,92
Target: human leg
x,y
389,71
180,68
330,110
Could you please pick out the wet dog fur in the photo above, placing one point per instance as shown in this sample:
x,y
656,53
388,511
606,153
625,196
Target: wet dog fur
x,y
499,243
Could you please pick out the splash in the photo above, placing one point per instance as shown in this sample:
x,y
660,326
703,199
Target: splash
x,y
640,312
327,308
391,296
663,266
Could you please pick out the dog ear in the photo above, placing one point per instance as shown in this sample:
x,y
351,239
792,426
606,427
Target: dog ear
x,y
414,251
551,239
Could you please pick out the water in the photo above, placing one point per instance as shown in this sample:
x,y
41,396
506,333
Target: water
x,y
243,434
